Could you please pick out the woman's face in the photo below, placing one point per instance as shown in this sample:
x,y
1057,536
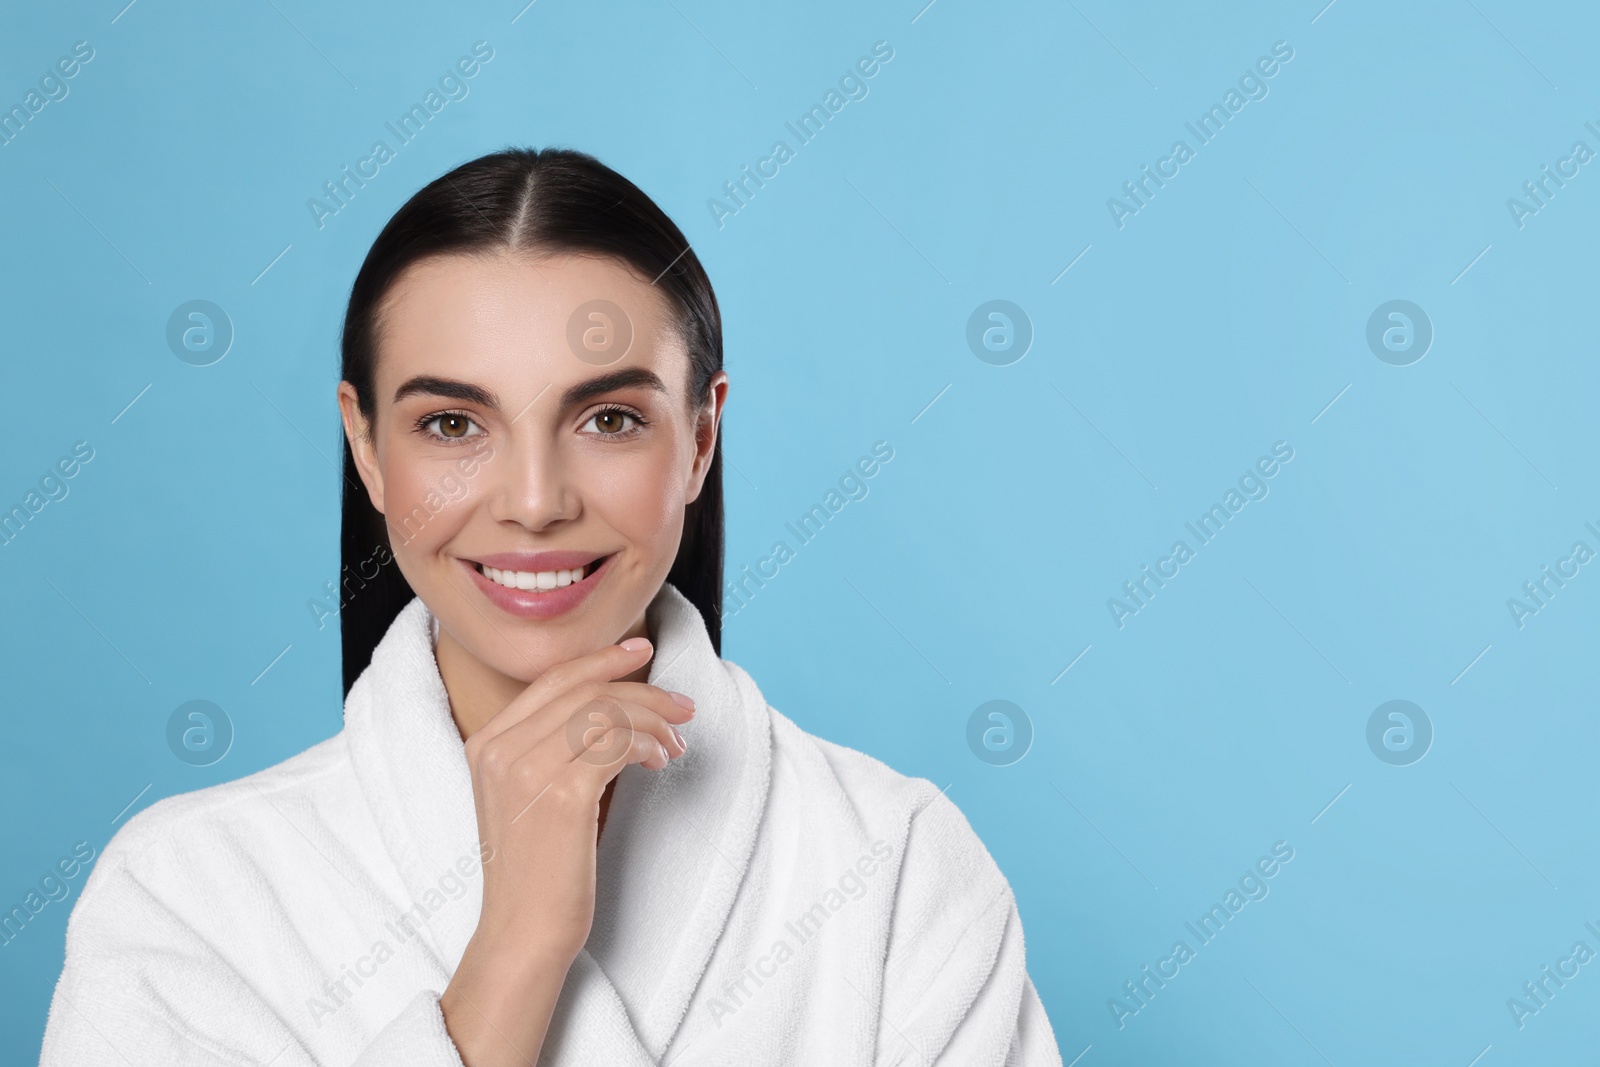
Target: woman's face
x,y
532,451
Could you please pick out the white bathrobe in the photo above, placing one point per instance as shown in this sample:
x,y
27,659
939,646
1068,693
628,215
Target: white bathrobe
x,y
770,897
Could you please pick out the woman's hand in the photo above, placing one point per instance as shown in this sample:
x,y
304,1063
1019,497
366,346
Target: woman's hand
x,y
539,768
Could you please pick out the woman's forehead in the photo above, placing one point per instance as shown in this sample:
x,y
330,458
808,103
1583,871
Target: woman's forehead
x,y
506,316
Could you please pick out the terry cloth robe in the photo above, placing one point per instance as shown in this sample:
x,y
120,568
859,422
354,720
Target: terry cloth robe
x,y
769,897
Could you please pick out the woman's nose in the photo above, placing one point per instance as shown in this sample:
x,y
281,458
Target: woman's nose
x,y
529,485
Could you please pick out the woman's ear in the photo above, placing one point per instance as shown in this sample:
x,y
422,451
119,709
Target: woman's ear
x,y
707,425
359,434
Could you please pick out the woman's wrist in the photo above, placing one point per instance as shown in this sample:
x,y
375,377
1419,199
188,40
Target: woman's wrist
x,y
498,1004
502,962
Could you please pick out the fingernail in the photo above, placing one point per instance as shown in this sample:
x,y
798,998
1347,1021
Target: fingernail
x,y
683,700
665,757
682,744
634,644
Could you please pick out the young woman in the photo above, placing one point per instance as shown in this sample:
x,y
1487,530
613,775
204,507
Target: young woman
x,y
557,827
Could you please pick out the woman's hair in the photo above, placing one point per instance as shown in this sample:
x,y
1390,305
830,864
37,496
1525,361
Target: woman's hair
x,y
535,202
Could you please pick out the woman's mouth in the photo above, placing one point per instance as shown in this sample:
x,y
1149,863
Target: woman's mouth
x,y
543,581
529,593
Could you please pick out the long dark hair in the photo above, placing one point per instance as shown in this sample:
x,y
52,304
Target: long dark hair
x,y
524,200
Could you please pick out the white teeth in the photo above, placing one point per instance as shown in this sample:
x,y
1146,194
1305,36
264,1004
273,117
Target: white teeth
x,y
540,580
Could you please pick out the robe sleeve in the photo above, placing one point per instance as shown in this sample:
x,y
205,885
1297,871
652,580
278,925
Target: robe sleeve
x,y
142,986
956,988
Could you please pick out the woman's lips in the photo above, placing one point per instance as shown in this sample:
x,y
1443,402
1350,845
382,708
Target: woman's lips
x,y
538,603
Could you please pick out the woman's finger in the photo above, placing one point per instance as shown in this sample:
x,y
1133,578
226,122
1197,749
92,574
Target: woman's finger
x,y
593,700
601,665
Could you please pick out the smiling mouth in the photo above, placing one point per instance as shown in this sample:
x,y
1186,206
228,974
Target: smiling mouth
x,y
540,581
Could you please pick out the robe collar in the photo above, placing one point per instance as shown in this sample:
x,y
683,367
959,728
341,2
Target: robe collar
x,y
675,849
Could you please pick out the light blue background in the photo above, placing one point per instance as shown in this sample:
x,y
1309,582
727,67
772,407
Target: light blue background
x,y
1223,317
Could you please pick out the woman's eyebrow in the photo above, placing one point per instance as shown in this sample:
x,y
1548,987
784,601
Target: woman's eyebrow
x,y
621,379
429,385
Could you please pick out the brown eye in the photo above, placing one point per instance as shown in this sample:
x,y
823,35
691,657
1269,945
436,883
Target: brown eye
x,y
614,422
448,426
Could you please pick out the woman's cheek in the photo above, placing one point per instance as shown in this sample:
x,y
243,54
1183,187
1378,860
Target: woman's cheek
x,y
424,505
642,498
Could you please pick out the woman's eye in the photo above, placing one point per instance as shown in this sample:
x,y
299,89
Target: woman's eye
x,y
613,422
450,426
